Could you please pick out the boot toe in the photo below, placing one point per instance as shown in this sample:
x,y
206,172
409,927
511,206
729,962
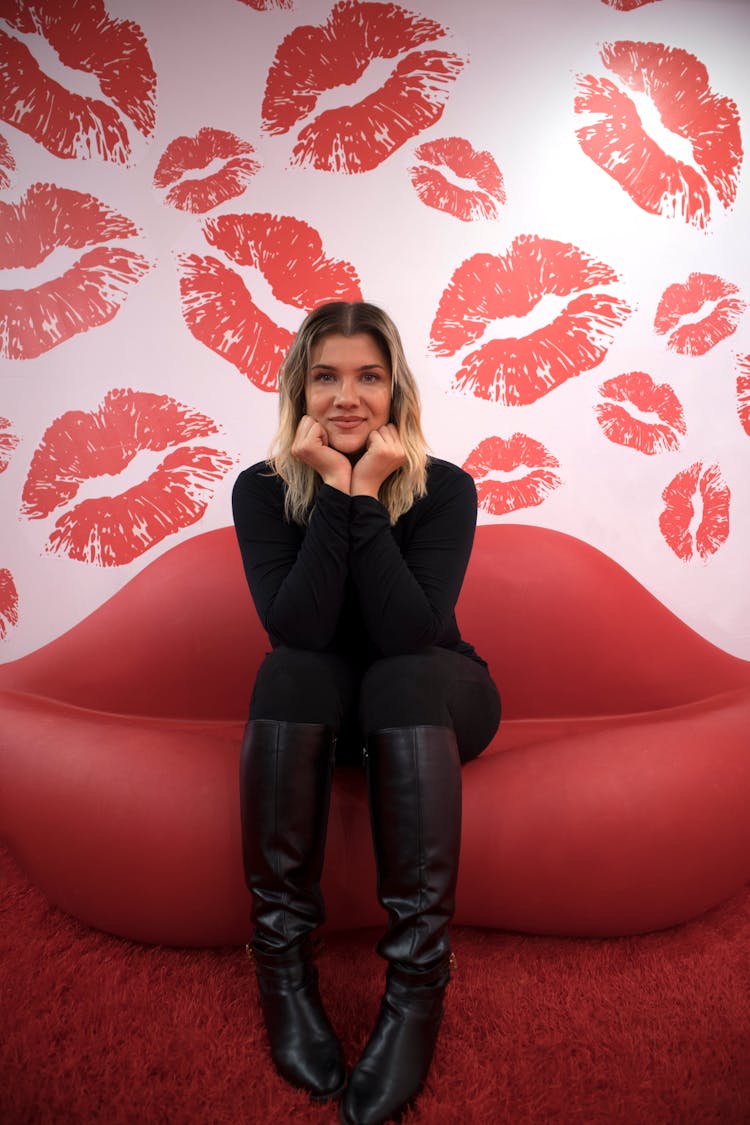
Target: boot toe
x,y
366,1102
322,1079
318,1070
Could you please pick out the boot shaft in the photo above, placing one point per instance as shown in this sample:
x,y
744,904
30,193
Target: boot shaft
x,y
286,772
414,787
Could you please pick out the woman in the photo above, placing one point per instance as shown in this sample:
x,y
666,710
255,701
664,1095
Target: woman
x,y
355,544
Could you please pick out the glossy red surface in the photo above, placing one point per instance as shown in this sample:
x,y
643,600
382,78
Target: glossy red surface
x,y
613,799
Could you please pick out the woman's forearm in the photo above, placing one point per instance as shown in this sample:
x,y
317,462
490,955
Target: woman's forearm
x,y
408,599
297,579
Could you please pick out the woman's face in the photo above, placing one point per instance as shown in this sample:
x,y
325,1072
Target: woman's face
x,y
348,389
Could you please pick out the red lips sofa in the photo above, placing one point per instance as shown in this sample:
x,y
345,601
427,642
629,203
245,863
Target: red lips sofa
x,y
615,798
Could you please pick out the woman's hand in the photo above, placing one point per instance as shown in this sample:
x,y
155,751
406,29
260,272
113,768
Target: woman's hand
x,y
311,446
383,455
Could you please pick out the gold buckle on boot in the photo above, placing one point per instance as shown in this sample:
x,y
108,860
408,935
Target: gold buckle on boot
x,y
317,947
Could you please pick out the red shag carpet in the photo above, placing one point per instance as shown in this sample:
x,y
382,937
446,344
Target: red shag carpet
x,y
631,1031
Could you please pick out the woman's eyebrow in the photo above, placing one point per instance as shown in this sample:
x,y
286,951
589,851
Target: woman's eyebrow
x,y
332,367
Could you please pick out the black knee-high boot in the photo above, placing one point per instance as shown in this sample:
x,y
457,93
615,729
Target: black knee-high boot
x,y
285,789
414,781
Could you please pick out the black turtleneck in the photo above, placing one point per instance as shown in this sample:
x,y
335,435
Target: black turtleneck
x,y
350,582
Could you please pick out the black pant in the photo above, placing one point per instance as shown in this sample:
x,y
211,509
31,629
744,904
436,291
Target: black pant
x,y
437,687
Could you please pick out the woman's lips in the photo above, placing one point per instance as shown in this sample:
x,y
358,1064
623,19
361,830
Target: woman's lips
x,y
85,38
679,512
114,530
314,59
743,391
221,313
457,155
8,603
8,442
677,83
184,154
688,298
90,293
496,454
639,390
347,423
516,371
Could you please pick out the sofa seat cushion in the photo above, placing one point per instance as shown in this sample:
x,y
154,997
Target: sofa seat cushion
x,y
592,826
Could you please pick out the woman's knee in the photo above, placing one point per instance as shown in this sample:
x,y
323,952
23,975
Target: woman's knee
x,y
405,690
301,686
434,688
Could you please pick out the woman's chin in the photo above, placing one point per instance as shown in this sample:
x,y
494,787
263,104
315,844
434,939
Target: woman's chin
x,y
349,444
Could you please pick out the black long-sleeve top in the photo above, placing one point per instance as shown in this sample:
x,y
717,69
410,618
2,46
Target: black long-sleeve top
x,y
349,581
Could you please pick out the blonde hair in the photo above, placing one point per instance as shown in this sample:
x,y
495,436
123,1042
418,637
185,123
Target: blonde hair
x,y
347,318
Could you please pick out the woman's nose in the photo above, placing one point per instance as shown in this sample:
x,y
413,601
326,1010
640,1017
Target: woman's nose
x,y
346,391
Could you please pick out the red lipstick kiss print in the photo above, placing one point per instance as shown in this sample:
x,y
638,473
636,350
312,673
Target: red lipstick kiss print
x,y
90,293
482,195
500,495
221,313
628,5
614,138
312,60
7,164
743,391
8,603
687,298
85,38
268,5
185,154
638,390
678,519
515,370
77,447
8,442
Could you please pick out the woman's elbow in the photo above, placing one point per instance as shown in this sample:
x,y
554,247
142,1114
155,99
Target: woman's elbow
x,y
296,635
408,642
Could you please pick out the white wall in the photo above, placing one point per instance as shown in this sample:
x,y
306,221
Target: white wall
x,y
514,73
